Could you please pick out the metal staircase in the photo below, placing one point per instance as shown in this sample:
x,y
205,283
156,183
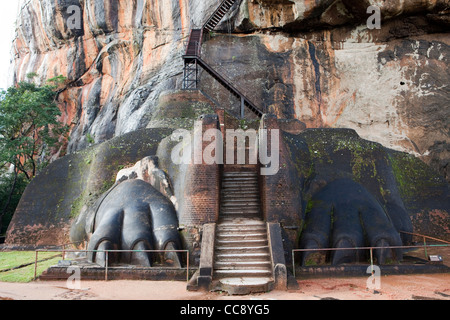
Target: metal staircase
x,y
218,15
192,60
190,79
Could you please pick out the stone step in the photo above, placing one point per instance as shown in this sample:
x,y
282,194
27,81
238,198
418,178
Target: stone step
x,y
240,225
236,204
242,265
248,243
226,207
243,200
230,184
240,186
240,183
239,256
241,236
248,189
241,205
232,174
242,273
244,285
241,249
240,178
240,232
229,217
239,189
231,226
247,208
241,196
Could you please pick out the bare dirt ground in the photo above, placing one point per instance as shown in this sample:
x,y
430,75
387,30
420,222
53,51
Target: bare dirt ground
x,y
409,287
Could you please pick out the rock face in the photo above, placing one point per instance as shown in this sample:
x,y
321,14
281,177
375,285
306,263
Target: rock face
x,y
316,61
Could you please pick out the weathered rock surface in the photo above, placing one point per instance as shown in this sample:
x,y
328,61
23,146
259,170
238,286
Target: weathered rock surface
x,y
311,60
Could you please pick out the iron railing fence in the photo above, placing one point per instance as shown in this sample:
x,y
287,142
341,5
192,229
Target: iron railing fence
x,y
424,246
107,252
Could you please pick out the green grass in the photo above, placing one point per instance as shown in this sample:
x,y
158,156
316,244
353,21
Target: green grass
x,y
14,259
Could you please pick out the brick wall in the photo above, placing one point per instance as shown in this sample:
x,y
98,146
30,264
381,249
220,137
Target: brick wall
x,y
281,193
202,186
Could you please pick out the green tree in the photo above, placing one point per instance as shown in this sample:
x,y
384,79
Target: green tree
x,y
30,134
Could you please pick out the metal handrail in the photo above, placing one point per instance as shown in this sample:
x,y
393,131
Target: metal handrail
x,y
224,73
425,237
230,86
365,248
63,252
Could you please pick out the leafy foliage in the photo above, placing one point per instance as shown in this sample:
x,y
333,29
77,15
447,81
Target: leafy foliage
x,y
30,134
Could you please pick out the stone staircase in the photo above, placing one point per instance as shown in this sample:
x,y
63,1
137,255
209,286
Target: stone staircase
x,y
242,259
